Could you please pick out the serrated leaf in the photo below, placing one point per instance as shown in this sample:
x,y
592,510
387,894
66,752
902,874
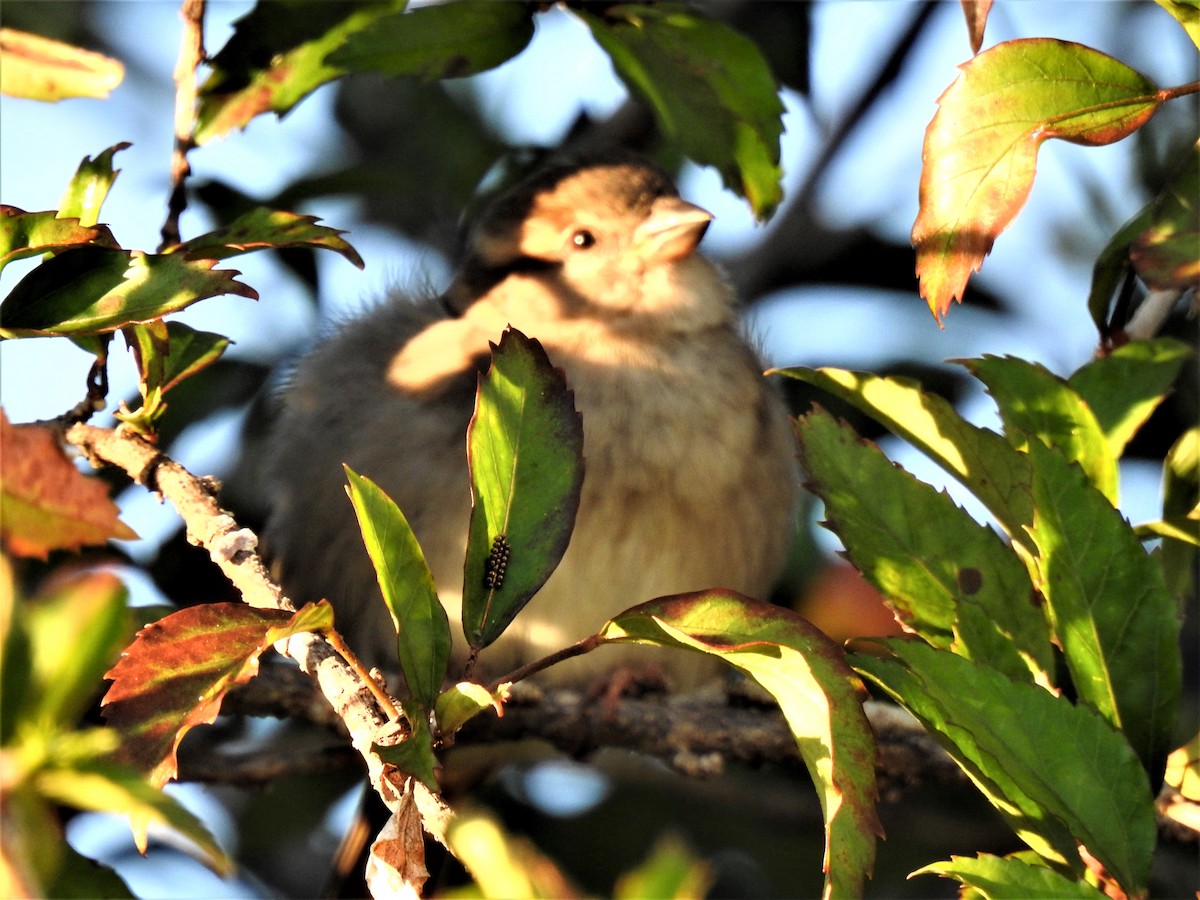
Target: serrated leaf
x,y
524,447
1187,13
423,630
48,503
166,354
38,68
24,234
267,229
950,579
104,787
1001,878
90,185
1058,773
819,695
1165,253
91,290
980,459
449,40
1124,387
1113,616
414,755
276,57
1035,403
176,674
981,147
709,88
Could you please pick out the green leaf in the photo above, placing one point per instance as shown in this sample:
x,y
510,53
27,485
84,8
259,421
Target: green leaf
x,y
84,878
24,234
1181,500
950,579
448,40
414,755
17,698
263,229
89,186
524,446
176,674
501,864
708,86
1187,13
423,630
104,787
1116,622
981,148
1165,252
166,353
1123,388
819,695
458,705
1058,773
93,289
38,68
672,870
980,459
276,57
1000,878
1033,402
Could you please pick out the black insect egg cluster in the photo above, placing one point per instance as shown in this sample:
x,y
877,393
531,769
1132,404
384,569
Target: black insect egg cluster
x,y
497,563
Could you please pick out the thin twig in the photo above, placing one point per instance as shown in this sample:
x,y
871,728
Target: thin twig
x,y
191,54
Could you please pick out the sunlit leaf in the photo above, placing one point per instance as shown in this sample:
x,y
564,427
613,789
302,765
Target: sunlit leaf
x,y
671,871
525,446
1036,404
976,12
1187,13
459,704
396,866
90,185
276,57
504,865
48,503
1058,773
950,579
39,68
423,631
176,674
1112,614
1183,769
267,229
1002,878
981,147
24,234
820,697
447,40
166,354
708,86
96,289
980,459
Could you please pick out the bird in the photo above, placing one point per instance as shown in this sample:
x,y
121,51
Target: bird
x,y
690,470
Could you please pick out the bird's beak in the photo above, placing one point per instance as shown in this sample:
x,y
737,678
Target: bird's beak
x,y
672,230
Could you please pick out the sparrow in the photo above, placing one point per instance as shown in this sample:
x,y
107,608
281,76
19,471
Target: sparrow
x,y
690,475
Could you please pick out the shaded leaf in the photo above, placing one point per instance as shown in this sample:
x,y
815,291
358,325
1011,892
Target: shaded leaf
x,y
81,877
24,234
48,503
980,459
976,12
90,185
820,697
423,630
1165,253
671,870
177,672
276,57
524,446
414,754
261,229
709,88
1111,268
950,579
39,68
1058,773
93,289
166,353
1181,500
1010,879
1113,616
448,40
1124,387
981,147
1035,403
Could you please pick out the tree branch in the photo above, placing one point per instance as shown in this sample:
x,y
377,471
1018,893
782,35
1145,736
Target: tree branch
x,y
191,54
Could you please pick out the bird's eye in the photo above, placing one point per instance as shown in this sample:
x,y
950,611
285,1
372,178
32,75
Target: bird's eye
x,y
583,239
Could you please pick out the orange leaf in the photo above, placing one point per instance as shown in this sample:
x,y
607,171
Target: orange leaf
x,y
981,148
48,503
976,12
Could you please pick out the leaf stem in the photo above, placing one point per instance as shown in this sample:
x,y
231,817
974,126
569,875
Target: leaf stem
x,y
587,645
381,696
191,53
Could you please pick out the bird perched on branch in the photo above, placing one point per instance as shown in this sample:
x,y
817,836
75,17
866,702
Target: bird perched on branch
x,y
690,478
